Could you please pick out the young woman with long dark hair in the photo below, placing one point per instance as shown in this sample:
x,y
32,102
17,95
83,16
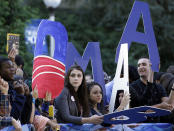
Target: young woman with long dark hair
x,y
72,104
95,96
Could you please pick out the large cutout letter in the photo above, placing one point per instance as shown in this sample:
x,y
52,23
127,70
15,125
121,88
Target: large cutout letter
x,y
48,72
120,83
134,115
131,35
92,52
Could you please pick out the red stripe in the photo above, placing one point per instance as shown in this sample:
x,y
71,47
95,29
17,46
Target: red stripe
x,y
50,69
48,82
46,61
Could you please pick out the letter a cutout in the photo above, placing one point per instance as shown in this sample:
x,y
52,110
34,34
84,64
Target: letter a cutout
x,y
148,38
120,83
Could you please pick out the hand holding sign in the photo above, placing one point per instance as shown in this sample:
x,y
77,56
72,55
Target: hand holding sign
x,y
151,74
4,86
124,102
35,92
47,96
12,55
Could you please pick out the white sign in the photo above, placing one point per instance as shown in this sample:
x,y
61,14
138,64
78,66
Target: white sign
x,y
120,83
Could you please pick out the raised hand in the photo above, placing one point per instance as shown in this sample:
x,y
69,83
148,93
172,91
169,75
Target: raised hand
x,y
16,125
19,87
12,55
35,92
47,96
151,74
27,90
125,100
4,86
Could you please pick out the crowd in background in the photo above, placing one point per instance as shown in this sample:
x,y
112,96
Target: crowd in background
x,y
81,100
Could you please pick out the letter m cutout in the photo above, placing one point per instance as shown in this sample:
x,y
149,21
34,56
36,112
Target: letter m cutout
x,y
92,52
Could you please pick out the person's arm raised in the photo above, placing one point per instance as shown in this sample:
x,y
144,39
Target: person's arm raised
x,y
16,125
4,86
171,96
124,102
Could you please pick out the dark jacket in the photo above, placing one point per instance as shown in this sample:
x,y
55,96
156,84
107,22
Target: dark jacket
x,y
17,102
66,107
149,94
26,112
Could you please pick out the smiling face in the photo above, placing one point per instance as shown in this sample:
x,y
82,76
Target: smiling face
x,y
7,70
144,67
75,78
95,94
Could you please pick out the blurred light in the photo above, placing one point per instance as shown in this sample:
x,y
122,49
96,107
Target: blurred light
x,y
52,3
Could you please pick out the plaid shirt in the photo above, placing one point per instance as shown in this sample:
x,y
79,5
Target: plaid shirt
x,y
5,121
4,111
4,105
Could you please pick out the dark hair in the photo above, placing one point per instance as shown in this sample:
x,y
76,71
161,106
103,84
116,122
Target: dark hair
x,y
27,109
167,80
117,103
19,61
170,69
3,74
133,74
144,57
2,60
99,106
158,75
81,96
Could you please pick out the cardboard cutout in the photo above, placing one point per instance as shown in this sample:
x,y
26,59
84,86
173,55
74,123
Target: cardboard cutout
x,y
13,42
48,73
118,127
134,115
31,36
148,38
120,83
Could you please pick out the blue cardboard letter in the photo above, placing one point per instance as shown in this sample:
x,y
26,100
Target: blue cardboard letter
x,y
92,52
131,35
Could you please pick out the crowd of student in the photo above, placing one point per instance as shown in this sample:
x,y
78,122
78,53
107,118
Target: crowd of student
x,y
80,101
